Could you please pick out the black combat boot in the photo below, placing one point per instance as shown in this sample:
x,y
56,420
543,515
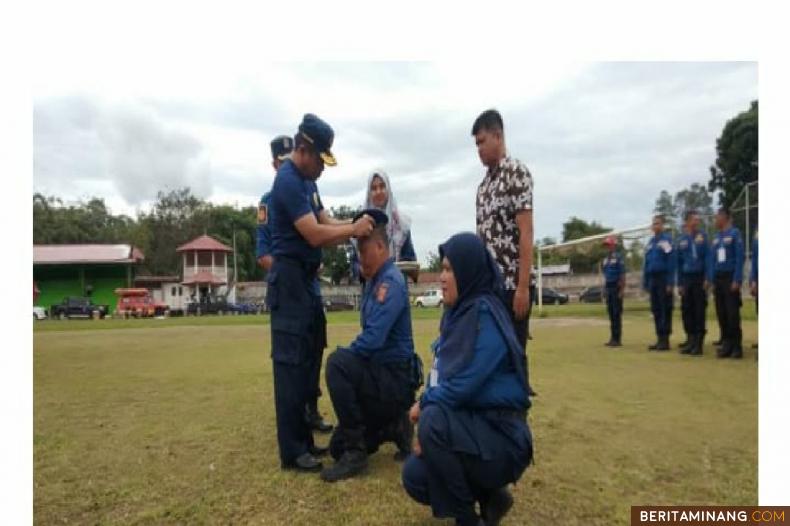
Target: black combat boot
x,y
725,350
353,461
496,506
686,346
696,349
663,343
737,351
305,463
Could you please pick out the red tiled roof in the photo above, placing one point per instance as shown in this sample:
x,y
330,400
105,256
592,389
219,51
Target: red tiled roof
x,y
429,277
203,278
91,253
204,242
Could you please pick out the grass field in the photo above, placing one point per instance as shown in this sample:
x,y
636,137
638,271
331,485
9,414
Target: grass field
x,y
172,422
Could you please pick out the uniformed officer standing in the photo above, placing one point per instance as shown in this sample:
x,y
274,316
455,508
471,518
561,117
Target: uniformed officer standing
x,y
726,274
657,278
613,267
281,147
372,381
692,259
300,227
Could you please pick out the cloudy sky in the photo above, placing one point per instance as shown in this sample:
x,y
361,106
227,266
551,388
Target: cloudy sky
x,y
601,139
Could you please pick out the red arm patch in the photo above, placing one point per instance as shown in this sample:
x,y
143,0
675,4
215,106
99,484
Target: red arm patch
x,y
381,292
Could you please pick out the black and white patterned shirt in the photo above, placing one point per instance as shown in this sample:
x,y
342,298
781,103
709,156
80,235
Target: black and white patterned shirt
x,y
504,191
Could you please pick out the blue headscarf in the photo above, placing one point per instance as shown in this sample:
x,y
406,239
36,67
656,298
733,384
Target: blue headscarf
x,y
479,282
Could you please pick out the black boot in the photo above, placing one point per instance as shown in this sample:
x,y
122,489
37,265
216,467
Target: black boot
x,y
496,506
686,346
663,343
737,351
654,346
696,349
305,463
353,461
316,421
725,350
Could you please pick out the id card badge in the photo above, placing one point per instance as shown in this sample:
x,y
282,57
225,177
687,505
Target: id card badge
x,y
721,254
433,379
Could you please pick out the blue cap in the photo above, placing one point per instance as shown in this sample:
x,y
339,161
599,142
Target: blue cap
x,y
282,146
320,135
379,217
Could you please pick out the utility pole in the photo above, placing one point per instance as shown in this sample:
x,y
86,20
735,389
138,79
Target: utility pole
x,y
235,264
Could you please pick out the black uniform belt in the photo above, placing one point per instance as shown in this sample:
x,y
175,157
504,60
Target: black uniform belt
x,y
311,269
505,413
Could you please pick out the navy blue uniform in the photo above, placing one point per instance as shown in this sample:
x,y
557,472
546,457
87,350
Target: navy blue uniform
x,y
297,318
472,431
614,276
693,253
658,274
725,268
370,381
754,269
264,248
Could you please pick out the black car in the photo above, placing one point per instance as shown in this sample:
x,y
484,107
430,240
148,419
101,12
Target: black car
x,y
78,307
591,295
208,305
336,304
552,297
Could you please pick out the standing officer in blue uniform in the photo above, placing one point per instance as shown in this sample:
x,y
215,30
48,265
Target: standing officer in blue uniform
x,y
613,267
300,227
372,381
473,439
693,254
657,278
725,271
281,147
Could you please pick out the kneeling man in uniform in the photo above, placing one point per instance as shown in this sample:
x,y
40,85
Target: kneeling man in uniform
x,y
372,382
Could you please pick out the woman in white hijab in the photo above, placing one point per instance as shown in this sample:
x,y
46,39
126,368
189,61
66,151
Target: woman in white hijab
x,y
379,195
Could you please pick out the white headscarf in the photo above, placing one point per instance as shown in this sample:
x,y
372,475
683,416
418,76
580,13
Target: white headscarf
x,y
399,225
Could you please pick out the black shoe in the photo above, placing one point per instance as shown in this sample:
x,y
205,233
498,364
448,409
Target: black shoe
x,y
352,463
737,352
685,345
532,392
616,343
724,351
496,507
305,463
654,346
610,343
316,422
318,451
696,348
719,342
663,344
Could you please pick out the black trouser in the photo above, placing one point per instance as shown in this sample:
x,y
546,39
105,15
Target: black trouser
x,y
295,327
314,392
614,306
728,309
521,328
450,481
367,397
661,304
693,303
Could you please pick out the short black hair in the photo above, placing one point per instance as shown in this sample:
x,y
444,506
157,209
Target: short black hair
x,y
660,217
690,213
724,211
379,232
489,120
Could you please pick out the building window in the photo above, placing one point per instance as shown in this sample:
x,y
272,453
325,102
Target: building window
x,y
180,291
173,291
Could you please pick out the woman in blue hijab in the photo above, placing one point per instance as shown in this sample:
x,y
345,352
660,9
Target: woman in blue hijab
x,y
473,438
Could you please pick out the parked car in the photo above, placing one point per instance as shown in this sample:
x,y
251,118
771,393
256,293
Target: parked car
x,y
39,313
78,307
431,298
591,295
244,308
208,305
337,304
552,297
138,303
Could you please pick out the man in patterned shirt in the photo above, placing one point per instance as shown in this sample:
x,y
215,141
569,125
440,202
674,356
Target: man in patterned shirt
x,y
504,216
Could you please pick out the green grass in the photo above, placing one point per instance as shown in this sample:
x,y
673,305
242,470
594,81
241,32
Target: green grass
x,y
172,422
